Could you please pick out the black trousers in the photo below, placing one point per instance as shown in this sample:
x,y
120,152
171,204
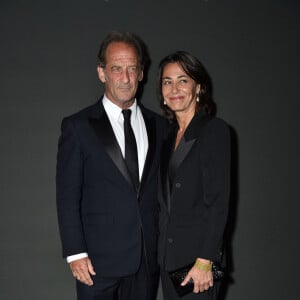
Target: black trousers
x,y
170,293
140,286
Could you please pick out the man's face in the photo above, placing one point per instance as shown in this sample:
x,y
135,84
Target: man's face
x,y
121,74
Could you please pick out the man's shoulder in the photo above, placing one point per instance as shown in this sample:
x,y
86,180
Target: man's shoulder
x,y
85,112
152,114
161,123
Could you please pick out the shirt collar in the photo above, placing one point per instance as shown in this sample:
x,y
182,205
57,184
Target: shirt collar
x,y
115,111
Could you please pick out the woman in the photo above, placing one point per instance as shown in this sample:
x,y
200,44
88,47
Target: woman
x,y
194,177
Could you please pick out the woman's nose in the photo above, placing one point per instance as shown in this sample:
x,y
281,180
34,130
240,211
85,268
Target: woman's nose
x,y
174,87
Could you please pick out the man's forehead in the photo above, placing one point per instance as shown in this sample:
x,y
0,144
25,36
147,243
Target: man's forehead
x,y
121,52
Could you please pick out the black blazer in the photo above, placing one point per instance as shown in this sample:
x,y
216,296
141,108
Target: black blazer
x,y
194,205
99,210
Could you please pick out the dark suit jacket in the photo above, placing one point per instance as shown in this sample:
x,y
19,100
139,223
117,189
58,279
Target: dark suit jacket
x,y
193,207
99,210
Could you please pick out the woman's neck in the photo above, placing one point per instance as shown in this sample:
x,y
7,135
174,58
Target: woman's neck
x,y
183,121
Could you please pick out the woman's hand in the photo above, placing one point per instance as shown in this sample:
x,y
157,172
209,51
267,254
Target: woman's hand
x,y
201,275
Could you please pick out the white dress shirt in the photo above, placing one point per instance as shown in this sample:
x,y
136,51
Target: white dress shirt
x,y
116,119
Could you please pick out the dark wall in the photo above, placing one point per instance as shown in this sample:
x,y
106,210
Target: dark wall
x,y
48,70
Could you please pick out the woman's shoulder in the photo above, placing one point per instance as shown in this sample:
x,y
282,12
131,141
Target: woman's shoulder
x,y
217,123
217,128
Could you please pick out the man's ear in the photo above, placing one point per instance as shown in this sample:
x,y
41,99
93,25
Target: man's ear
x,y
101,74
141,76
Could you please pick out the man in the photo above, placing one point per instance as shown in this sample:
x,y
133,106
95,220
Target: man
x,y
107,182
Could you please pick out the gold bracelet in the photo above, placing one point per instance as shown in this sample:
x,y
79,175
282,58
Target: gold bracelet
x,y
203,266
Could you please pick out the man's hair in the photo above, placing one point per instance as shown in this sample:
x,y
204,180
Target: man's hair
x,y
127,38
194,69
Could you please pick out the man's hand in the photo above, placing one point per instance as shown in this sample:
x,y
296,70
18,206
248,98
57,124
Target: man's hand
x,y
82,269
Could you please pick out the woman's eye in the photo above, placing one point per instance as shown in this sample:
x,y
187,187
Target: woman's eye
x,y
166,82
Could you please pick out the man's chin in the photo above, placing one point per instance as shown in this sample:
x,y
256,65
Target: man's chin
x,y
126,98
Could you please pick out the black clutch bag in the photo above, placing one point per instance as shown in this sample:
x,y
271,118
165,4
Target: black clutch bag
x,y
177,276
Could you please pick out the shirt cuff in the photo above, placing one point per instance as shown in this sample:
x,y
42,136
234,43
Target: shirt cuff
x,y
76,257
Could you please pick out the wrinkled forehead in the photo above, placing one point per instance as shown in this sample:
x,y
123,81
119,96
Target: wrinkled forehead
x,y
122,53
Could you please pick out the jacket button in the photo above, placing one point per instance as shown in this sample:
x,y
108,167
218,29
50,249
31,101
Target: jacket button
x,y
178,185
170,240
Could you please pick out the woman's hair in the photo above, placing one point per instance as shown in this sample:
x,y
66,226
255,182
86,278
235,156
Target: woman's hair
x,y
194,69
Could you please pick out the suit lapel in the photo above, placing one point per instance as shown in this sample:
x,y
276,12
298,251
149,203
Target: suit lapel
x,y
166,155
105,133
151,133
180,153
192,132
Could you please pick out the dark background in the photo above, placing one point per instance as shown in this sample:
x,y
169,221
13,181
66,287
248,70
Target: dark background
x,y
48,70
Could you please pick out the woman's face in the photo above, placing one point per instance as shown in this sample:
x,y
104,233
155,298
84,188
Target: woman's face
x,y
178,89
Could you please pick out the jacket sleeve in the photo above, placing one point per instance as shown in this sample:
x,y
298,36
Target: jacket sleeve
x,y
69,178
216,185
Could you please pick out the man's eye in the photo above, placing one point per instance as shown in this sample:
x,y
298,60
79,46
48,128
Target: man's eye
x,y
183,81
132,69
116,69
166,82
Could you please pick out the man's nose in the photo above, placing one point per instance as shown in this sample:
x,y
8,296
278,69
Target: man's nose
x,y
125,76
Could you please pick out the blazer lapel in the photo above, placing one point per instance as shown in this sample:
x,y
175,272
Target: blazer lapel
x,y
192,132
181,152
105,133
166,155
151,133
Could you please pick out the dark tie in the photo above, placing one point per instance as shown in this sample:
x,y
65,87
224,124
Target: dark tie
x,y
131,156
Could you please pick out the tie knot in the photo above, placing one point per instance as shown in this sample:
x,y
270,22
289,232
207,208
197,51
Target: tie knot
x,y
126,114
